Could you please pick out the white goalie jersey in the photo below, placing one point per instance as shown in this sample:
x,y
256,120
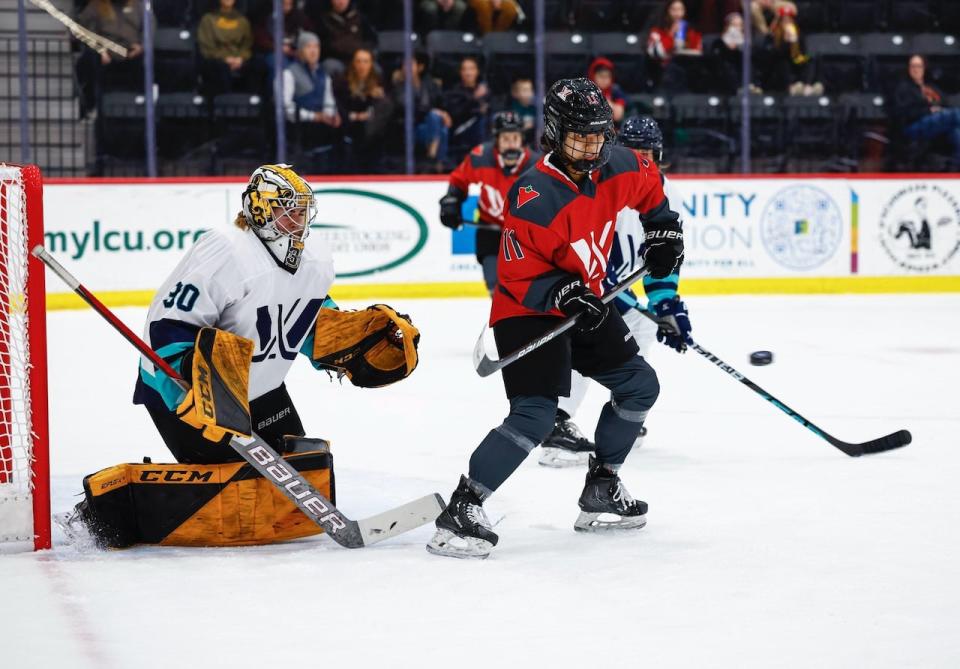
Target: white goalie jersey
x,y
230,281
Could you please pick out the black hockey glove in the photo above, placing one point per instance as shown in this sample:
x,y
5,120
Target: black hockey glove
x,y
450,210
574,299
664,248
673,323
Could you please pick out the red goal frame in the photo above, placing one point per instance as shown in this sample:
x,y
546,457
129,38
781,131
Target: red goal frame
x,y
32,181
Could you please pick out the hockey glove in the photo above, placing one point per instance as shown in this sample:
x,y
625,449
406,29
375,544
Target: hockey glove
x,y
664,249
673,323
573,298
373,347
217,402
450,211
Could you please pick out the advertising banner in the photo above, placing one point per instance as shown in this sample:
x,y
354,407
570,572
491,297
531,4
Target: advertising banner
x,y
784,233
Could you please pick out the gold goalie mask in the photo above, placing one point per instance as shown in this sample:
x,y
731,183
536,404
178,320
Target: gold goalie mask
x,y
373,347
279,205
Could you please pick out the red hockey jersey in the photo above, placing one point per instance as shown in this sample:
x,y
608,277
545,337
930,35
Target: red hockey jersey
x,y
484,165
554,229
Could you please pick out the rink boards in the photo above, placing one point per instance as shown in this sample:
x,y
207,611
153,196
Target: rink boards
x,y
776,234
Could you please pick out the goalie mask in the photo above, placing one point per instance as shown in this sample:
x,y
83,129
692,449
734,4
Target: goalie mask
x,y
279,205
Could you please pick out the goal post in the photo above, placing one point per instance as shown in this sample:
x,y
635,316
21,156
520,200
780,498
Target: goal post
x,y
24,446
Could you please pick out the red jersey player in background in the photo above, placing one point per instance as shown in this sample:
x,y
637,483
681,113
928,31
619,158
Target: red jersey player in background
x,y
494,165
556,242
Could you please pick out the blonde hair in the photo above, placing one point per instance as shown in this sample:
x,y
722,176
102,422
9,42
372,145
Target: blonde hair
x,y
241,221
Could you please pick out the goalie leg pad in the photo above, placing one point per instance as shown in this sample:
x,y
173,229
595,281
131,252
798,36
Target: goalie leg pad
x,y
199,505
373,347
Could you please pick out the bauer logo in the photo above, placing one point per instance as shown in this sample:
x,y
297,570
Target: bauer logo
x,y
367,232
920,227
801,227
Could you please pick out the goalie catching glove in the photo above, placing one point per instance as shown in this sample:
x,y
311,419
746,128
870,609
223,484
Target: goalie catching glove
x,y
373,347
217,401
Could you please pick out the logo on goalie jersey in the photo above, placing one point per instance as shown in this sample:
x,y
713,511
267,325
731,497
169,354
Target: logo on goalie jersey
x,y
920,227
801,227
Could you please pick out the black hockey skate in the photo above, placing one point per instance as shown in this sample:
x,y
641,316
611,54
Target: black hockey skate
x,y
604,495
565,446
463,530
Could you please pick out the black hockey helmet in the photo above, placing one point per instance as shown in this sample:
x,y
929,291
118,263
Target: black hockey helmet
x,y
577,105
507,121
642,132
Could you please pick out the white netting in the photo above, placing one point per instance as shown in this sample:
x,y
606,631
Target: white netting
x,y
16,452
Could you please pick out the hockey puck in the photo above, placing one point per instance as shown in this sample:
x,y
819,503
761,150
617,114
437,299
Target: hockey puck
x,y
761,358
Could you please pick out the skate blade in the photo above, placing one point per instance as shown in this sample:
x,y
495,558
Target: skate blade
x,y
593,522
448,544
561,457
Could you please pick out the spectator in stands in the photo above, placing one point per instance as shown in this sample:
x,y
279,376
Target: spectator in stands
x,y
919,108
674,36
343,30
308,95
495,15
764,12
294,22
521,103
432,123
787,67
601,73
121,22
365,110
446,15
225,40
726,54
468,103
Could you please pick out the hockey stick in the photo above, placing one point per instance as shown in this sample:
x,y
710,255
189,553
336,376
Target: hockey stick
x,y
887,443
346,532
484,226
486,366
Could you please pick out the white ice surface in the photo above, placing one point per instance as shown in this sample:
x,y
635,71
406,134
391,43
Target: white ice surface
x,y
765,546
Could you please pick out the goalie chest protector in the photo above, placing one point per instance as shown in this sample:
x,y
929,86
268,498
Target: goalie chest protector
x,y
200,505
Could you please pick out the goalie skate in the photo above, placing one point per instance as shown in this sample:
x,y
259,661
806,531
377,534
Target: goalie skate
x,y
74,528
463,530
565,446
606,505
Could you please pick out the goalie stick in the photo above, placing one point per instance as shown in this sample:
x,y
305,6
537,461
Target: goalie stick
x,y
485,366
879,445
263,458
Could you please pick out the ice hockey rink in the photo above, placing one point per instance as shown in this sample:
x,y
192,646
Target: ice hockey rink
x,y
765,546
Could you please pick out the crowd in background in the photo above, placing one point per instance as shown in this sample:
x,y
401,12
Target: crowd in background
x,y
340,95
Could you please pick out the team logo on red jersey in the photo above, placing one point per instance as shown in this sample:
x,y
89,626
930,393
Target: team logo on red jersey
x,y
477,150
526,194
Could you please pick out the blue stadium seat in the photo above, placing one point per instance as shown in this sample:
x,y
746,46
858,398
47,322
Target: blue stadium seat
x,y
175,59
390,50
812,127
568,54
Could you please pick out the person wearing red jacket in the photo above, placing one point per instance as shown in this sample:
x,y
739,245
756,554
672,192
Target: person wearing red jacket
x,y
555,247
494,166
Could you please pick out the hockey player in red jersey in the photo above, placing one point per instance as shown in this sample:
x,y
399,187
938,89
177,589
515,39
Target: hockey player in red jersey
x,y
494,165
555,247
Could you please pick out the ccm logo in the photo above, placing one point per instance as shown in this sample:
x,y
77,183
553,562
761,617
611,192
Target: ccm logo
x,y
174,476
665,234
206,392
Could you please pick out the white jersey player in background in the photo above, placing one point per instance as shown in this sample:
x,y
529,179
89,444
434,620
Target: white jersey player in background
x,y
567,446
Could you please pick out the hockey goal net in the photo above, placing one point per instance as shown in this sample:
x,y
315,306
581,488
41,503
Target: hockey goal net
x,y
24,457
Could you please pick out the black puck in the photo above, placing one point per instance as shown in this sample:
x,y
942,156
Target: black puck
x,y
761,358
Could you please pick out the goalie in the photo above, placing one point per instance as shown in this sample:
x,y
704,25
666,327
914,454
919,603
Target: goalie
x,y
231,319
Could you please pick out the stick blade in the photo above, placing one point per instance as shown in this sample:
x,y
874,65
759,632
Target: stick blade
x,y
894,440
486,366
402,519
